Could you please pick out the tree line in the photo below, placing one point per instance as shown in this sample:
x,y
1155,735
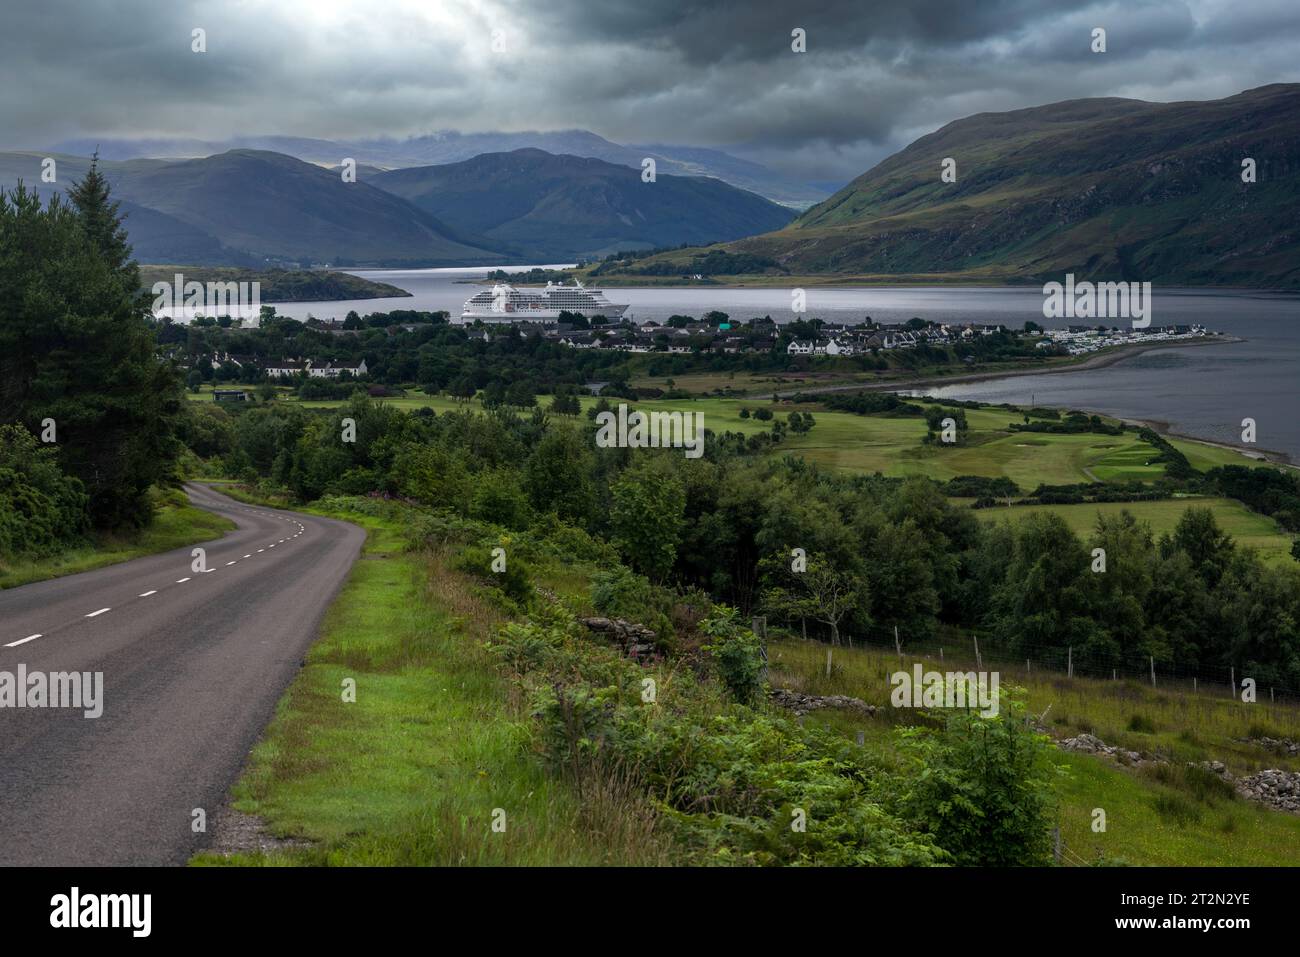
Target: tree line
x,y
832,554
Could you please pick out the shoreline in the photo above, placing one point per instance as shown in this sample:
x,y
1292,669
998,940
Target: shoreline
x,y
1092,363
1164,428
1099,361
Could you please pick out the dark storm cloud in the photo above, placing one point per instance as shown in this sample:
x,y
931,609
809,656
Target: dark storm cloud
x,y
712,32
876,74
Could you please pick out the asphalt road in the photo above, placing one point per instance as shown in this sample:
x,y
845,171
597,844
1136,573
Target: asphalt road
x,y
193,664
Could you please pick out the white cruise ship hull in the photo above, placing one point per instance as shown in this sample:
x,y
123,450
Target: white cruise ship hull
x,y
505,304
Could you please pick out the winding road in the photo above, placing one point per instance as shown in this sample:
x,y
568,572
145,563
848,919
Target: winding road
x,y
193,663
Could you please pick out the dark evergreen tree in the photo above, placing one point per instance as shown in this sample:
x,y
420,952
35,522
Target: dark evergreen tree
x,y
77,347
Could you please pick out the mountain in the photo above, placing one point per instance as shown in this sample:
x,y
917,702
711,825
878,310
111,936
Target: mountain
x,y
551,208
249,207
1104,188
449,146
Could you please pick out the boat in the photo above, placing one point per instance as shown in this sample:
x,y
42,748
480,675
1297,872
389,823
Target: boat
x,y
505,303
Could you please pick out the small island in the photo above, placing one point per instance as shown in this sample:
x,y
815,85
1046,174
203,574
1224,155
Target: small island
x,y
280,285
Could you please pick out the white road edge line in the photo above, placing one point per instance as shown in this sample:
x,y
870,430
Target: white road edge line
x,y
22,641
100,612
148,593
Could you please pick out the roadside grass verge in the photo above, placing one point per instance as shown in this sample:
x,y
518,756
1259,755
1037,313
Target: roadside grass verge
x,y
176,524
435,747
1154,816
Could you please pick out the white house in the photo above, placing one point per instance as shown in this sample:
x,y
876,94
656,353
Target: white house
x,y
286,367
800,347
331,371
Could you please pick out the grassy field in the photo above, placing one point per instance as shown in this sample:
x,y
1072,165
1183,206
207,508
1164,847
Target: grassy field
x,y
1249,529
1153,817
413,400
176,523
893,447
704,383
413,771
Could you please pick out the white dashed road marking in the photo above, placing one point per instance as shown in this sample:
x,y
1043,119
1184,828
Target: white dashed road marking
x,y
181,581
148,593
100,612
22,641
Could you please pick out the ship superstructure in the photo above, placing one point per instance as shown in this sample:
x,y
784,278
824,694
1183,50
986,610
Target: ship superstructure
x,y
505,303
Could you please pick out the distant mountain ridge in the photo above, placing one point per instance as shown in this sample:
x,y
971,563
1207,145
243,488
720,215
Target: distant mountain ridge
x,y
250,207
548,207
1106,188
256,208
449,146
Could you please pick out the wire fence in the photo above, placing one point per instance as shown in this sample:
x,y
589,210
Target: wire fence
x,y
973,650
981,650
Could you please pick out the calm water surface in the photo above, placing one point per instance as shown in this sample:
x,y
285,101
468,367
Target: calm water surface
x,y
1202,391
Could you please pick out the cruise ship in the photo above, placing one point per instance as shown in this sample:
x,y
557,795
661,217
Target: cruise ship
x,y
505,303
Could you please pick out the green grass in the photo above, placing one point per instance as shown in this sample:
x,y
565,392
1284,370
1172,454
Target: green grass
x,y
892,446
412,772
1249,529
758,383
1153,818
174,525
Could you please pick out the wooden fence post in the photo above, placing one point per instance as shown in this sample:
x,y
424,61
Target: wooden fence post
x,y
1153,671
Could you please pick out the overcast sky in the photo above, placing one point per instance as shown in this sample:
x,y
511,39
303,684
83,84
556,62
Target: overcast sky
x,y
875,75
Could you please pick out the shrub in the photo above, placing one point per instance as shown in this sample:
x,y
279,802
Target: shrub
x,y
737,653
982,786
42,510
1141,724
621,593
730,781
512,580
499,498
554,536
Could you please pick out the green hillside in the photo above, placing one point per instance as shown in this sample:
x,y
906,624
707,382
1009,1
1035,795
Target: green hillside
x,y
1104,188
548,207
